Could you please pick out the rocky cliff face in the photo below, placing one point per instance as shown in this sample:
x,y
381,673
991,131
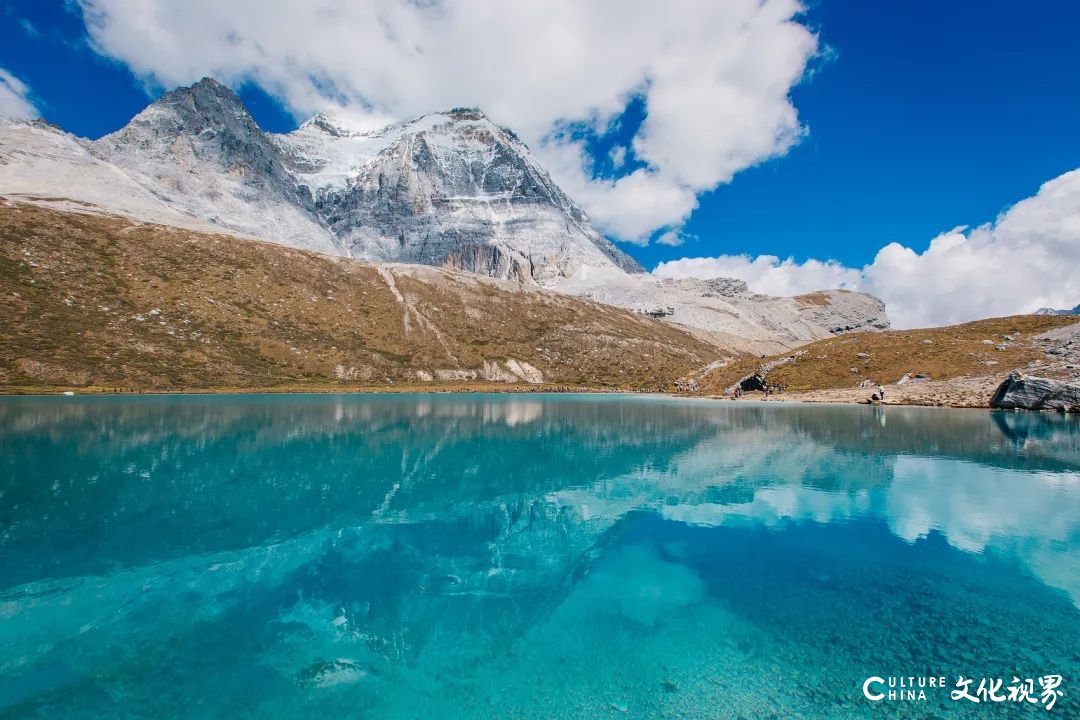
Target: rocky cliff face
x,y
737,317
445,189
199,151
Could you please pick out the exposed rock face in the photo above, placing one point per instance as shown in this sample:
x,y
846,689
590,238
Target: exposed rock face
x,y
1052,311
448,188
726,307
1024,392
842,311
1062,348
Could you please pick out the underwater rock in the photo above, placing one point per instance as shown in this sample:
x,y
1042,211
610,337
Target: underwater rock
x,y
327,673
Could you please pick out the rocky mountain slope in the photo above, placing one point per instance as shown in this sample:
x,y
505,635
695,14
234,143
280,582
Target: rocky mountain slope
x,y
955,365
1053,311
443,189
737,317
199,150
41,163
447,189
103,302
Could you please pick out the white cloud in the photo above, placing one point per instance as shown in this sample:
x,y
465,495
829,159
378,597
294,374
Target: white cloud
x,y
714,76
671,238
765,273
618,156
1025,260
15,97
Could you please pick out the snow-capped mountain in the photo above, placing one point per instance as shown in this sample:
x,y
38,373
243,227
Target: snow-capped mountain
x,y
1055,311
444,189
447,189
200,152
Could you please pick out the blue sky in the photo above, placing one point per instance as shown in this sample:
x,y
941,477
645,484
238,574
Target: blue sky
x,y
926,115
933,114
44,43
920,116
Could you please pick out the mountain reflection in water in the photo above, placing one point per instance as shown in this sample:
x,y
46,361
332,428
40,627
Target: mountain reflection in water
x,y
428,551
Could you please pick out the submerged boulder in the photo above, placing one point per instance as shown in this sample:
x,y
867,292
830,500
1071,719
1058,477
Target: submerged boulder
x,y
1020,391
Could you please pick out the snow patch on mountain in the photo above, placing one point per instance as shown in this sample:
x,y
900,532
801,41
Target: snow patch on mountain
x,y
726,307
201,153
448,188
38,161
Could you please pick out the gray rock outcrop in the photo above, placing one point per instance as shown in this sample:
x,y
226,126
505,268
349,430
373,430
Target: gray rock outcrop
x,y
1024,392
1055,311
745,320
450,188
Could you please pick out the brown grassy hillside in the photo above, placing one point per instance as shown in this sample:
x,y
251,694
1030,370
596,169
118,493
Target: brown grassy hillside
x,y
102,302
970,349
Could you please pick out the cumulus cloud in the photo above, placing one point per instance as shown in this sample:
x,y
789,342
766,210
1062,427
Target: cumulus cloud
x,y
714,76
15,97
618,156
670,238
1025,260
765,273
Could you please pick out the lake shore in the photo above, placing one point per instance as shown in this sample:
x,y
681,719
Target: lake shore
x,y
964,392
463,388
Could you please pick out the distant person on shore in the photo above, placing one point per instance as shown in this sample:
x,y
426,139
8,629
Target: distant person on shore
x,y
881,392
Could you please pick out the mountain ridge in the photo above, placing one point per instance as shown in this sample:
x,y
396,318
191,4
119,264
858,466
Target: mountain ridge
x,y
162,308
170,145
449,189
462,165
423,190
1056,311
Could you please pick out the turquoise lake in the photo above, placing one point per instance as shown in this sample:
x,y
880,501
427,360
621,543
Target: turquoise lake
x,y
529,556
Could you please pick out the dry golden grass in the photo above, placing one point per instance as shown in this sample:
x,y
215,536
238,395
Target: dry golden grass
x,y
941,353
99,302
814,298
